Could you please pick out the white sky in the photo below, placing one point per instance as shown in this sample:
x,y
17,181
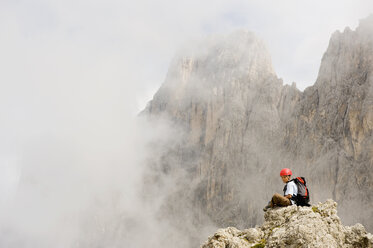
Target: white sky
x,y
127,45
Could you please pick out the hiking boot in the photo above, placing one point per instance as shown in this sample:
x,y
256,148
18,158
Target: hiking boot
x,y
266,208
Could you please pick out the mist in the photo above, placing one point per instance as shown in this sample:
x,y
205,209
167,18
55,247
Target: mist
x,y
71,146
68,148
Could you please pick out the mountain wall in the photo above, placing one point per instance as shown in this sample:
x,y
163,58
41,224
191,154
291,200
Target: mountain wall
x,y
240,125
330,130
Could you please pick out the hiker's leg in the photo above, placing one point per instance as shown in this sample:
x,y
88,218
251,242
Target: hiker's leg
x,y
268,206
280,200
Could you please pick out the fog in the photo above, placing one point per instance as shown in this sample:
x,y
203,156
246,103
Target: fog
x,y
73,77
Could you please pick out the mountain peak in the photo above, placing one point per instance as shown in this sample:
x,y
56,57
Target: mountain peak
x,y
366,23
349,56
215,66
293,226
238,53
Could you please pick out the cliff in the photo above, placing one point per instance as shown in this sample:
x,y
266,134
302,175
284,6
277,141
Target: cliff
x,y
330,130
225,99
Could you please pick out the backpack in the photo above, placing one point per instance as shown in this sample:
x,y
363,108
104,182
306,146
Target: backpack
x,y
303,196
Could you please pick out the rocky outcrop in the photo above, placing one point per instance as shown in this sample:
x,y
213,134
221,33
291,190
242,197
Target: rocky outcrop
x,y
316,226
240,125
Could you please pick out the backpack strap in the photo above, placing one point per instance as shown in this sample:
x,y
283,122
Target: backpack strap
x,y
286,185
302,180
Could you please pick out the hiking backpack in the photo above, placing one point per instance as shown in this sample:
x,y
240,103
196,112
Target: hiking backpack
x,y
303,196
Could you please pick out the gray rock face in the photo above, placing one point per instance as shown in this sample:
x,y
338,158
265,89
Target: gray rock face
x,y
294,226
241,125
331,127
226,100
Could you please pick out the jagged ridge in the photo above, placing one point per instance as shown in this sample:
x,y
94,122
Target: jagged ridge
x,y
316,226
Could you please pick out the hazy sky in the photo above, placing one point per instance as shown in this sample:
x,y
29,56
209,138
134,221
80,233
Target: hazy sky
x,y
127,45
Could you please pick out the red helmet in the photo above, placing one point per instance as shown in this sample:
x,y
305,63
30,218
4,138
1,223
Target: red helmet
x,y
286,172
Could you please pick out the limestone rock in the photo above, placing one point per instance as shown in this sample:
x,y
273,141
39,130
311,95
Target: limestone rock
x,y
316,226
225,98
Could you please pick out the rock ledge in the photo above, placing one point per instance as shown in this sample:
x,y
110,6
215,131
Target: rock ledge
x,y
316,226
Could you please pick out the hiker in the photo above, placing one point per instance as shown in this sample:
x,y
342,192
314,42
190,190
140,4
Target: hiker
x,y
290,192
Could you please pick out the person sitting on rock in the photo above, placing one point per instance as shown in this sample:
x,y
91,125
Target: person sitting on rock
x,y
290,190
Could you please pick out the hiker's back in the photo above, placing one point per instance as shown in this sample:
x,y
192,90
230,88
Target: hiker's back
x,y
303,197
